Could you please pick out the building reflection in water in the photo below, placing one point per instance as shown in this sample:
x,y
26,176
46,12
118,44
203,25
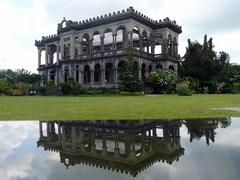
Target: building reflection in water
x,y
123,146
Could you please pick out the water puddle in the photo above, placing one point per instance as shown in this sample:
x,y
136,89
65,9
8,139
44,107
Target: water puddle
x,y
102,150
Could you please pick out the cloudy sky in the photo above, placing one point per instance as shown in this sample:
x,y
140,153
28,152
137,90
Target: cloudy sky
x,y
22,22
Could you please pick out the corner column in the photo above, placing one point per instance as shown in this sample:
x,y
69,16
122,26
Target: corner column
x,y
39,57
46,55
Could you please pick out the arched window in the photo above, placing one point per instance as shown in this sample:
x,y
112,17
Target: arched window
x,y
158,42
121,69
171,67
109,72
87,74
43,57
150,68
108,40
64,24
121,37
136,38
159,66
97,73
96,42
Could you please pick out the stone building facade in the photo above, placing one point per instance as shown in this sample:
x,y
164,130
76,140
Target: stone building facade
x,y
92,51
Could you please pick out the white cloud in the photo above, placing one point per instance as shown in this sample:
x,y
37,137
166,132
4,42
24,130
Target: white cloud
x,y
12,134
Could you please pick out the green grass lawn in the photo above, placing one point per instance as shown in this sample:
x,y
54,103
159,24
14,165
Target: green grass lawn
x,y
116,107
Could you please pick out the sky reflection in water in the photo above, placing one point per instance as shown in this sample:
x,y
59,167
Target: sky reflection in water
x,y
199,149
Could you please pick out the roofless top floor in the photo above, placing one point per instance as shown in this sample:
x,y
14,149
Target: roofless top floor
x,y
129,20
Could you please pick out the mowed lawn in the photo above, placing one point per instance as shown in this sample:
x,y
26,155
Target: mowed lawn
x,y
116,107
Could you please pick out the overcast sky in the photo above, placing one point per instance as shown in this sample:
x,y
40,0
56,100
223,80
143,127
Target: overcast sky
x,y
22,22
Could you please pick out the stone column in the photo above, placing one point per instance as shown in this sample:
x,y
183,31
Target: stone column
x,y
46,55
165,46
103,76
81,76
90,46
91,77
152,48
62,50
140,73
39,57
125,39
140,43
71,47
102,44
80,47
114,42
116,75
58,50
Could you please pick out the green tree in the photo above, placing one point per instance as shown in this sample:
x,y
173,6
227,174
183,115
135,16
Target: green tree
x,y
129,80
201,62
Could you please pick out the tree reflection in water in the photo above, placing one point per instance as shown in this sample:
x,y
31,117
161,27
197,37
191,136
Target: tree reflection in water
x,y
125,146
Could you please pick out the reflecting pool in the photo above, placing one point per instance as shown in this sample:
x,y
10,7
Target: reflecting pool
x,y
143,149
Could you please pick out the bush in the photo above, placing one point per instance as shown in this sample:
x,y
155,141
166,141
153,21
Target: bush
x,y
183,89
7,90
232,88
236,88
205,90
51,83
42,90
66,88
162,80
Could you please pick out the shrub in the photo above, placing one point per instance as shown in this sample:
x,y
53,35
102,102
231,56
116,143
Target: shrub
x,y
162,80
51,83
232,88
42,90
183,89
7,90
236,87
66,88
205,90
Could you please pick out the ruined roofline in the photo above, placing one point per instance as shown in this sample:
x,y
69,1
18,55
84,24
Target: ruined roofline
x,y
116,16
106,19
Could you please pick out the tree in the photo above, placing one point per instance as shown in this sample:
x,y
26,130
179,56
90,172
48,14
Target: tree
x,y
162,80
129,80
200,62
